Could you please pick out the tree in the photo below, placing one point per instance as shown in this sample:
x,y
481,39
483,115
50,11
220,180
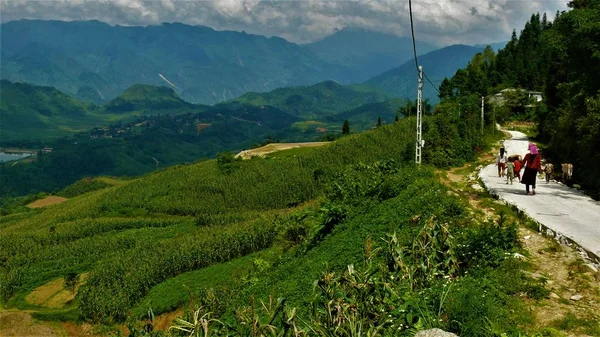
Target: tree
x,y
71,280
445,89
346,128
397,117
379,121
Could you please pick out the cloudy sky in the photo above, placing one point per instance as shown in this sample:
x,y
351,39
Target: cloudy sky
x,y
441,22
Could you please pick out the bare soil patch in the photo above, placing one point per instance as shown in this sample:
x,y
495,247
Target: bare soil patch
x,y
47,201
20,323
274,147
565,275
165,321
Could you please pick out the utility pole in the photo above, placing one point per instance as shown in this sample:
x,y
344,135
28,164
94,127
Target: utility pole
x,y
482,102
420,141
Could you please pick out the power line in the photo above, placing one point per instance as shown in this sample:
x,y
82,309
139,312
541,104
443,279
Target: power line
x,y
412,31
433,85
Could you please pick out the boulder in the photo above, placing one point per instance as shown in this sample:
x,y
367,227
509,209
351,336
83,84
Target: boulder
x,y
434,333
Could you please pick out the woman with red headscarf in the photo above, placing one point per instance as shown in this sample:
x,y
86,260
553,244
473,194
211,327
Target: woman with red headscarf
x,y
533,166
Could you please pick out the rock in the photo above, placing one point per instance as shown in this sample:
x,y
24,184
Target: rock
x,y
477,187
577,186
527,237
592,267
518,256
553,295
576,297
434,333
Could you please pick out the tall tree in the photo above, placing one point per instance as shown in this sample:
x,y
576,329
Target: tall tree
x,y
346,128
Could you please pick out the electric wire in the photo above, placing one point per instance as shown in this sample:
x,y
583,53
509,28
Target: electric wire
x,y
412,32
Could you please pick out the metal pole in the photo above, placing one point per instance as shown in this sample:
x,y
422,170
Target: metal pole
x,y
482,100
419,143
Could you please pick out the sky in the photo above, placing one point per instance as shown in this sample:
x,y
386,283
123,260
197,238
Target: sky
x,y
440,22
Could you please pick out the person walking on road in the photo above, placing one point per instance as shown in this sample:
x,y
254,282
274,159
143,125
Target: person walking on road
x,y
518,166
533,166
501,160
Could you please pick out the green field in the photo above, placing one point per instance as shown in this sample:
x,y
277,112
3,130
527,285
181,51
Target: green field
x,y
226,233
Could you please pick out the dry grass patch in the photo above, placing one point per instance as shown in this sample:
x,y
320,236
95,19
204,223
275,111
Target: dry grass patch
x,y
53,294
275,147
47,201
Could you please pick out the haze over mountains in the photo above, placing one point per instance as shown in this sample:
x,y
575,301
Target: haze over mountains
x,y
95,62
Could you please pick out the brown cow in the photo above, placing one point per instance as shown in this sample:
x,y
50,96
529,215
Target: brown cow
x,y
567,171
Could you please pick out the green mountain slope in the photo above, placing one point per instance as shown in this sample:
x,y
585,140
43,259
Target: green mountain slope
x,y
439,64
27,110
36,113
95,61
378,52
365,116
315,101
153,99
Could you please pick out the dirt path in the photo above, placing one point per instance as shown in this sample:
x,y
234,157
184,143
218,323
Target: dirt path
x,y
274,147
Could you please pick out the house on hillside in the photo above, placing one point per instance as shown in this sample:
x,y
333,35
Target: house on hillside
x,y
513,94
536,95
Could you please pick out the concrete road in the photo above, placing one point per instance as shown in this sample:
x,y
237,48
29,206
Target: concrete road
x,y
566,211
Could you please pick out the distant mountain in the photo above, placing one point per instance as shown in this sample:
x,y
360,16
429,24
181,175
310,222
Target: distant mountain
x,y
40,111
367,53
365,116
315,101
141,97
437,65
495,46
95,62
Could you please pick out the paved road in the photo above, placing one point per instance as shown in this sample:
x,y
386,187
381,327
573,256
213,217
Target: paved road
x,y
564,210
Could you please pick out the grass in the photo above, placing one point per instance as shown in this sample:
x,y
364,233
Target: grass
x,y
573,323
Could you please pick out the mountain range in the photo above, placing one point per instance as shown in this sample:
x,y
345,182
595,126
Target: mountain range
x,y
95,62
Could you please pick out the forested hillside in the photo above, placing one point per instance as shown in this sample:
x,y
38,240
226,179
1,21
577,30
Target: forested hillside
x,y
27,110
316,101
560,58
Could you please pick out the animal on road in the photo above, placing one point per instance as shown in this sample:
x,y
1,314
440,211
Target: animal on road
x,y
548,170
567,171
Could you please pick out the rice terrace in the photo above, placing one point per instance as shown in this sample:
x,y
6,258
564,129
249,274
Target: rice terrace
x,y
300,168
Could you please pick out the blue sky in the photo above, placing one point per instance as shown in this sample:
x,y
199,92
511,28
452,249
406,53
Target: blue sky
x,y
442,22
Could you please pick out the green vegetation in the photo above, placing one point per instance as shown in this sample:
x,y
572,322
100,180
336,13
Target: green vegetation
x,y
353,215
558,59
316,101
39,114
140,97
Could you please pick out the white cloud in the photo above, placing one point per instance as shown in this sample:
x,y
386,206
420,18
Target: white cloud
x,y
441,22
